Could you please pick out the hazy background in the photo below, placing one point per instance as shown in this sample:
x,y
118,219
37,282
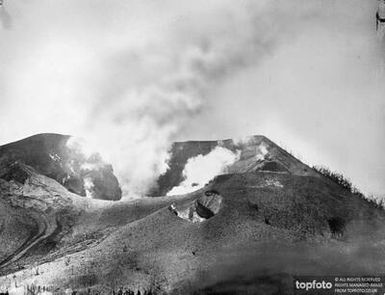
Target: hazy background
x,y
133,76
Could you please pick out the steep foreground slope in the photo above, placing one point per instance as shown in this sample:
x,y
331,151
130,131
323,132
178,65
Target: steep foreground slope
x,y
245,232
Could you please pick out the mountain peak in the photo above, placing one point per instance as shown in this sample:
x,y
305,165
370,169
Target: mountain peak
x,y
50,155
254,153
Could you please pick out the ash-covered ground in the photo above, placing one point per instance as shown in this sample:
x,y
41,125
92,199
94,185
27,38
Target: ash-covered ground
x,y
263,219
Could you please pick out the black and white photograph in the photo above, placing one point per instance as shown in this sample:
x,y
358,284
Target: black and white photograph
x,y
197,147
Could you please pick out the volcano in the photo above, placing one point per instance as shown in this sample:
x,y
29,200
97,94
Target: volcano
x,y
257,154
262,221
52,156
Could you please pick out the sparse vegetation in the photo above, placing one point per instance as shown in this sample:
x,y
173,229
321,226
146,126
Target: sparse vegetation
x,y
336,177
344,182
260,218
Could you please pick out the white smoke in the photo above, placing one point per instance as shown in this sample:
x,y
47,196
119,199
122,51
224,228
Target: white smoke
x,y
261,152
88,187
201,169
128,77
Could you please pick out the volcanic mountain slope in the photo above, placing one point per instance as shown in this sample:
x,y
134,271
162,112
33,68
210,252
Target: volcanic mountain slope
x,y
35,212
245,232
256,153
52,155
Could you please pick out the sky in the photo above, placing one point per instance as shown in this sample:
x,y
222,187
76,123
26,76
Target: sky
x,y
133,76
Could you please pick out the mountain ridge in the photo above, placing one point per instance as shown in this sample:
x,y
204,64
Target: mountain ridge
x,y
251,229
276,159
50,155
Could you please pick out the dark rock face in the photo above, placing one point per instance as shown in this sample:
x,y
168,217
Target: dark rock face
x,y
180,153
49,155
257,153
16,173
271,166
204,207
209,204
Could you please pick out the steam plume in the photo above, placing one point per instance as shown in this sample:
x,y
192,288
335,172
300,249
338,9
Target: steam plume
x,y
201,169
171,84
128,76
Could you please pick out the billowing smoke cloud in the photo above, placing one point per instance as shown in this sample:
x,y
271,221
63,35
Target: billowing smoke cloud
x,y
130,75
321,95
201,169
173,77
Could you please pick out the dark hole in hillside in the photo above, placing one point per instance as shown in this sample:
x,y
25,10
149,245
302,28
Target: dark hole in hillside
x,y
267,221
203,211
209,204
337,226
205,207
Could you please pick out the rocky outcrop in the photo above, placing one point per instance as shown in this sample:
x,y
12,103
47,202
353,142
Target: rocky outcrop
x,y
209,204
50,155
205,207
